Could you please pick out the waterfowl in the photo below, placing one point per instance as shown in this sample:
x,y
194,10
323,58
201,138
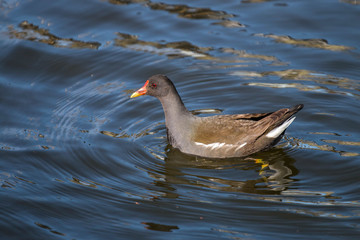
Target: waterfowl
x,y
219,136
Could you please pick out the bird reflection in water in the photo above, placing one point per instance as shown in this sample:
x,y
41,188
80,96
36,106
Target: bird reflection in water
x,y
268,173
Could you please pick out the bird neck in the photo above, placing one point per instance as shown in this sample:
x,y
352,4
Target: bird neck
x,y
173,106
177,117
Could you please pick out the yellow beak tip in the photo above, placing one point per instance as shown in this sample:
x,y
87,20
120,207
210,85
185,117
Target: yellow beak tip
x,y
134,95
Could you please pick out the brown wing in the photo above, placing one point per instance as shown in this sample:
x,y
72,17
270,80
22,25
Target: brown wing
x,y
240,128
229,129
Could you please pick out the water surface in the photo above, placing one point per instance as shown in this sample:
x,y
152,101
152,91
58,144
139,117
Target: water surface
x,y
80,160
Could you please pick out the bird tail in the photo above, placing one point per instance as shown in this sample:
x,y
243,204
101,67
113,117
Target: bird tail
x,y
280,120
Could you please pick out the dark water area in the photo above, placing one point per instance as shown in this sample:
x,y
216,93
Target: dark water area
x,y
79,159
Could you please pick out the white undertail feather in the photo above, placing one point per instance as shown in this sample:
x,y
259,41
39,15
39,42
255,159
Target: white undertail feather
x,y
277,131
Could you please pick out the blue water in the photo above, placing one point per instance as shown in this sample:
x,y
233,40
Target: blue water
x,y
79,159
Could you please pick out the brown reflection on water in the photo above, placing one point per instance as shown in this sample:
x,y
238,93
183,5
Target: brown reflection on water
x,y
325,133
46,227
187,49
229,24
189,12
34,33
302,87
354,2
306,144
255,1
159,227
186,11
123,134
321,80
243,54
311,43
83,183
8,180
172,49
314,198
319,213
306,75
342,142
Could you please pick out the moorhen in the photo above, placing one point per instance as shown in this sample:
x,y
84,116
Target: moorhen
x,y
220,136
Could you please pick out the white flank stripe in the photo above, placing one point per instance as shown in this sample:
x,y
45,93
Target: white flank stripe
x,y
213,146
240,146
277,131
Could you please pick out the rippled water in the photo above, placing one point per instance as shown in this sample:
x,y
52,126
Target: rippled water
x,y
80,160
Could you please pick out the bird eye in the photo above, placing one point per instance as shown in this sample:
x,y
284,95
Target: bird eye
x,y
153,85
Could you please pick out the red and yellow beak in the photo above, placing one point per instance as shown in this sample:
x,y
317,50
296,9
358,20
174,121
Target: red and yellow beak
x,y
141,91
